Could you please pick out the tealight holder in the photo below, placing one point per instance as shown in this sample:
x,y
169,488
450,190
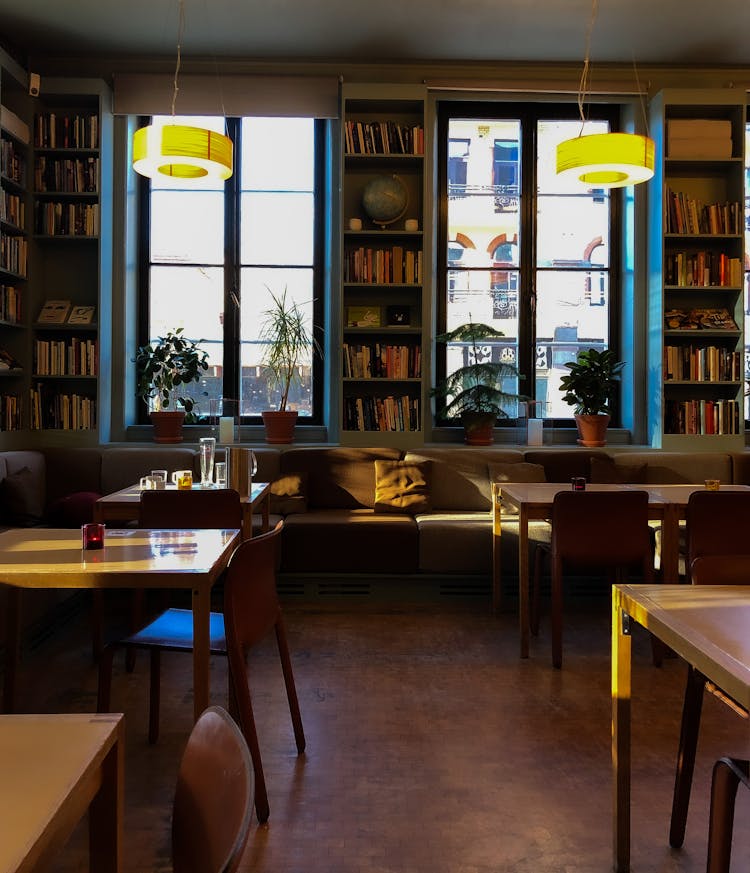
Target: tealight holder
x,y
578,483
92,536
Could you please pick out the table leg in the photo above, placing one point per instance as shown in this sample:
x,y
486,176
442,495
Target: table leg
x,y
523,579
201,649
12,647
497,567
106,812
621,667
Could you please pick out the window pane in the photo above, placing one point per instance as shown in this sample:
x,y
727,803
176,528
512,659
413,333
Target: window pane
x,y
187,227
278,154
192,298
483,187
277,228
572,314
257,285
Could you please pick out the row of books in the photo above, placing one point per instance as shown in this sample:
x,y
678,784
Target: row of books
x,y
381,361
702,417
12,162
688,215
12,209
10,304
68,131
702,269
381,413
14,252
74,176
384,266
50,410
702,364
73,357
10,412
66,219
383,138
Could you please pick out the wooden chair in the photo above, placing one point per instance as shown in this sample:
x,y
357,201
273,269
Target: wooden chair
x,y
716,529
605,531
213,799
251,611
172,629
727,775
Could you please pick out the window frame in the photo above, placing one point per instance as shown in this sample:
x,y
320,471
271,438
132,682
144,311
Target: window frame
x,y
528,114
231,367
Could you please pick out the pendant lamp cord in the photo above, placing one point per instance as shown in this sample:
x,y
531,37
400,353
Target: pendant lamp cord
x,y
583,85
180,34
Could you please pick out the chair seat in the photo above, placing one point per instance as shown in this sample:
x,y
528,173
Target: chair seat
x,y
173,630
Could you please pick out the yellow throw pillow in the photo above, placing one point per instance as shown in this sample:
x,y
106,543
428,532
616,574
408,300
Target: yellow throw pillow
x,y
402,486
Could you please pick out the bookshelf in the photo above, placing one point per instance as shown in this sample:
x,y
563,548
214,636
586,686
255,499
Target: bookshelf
x,y
696,271
14,244
70,381
384,299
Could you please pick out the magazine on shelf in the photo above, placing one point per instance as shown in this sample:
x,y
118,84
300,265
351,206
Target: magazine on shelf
x,y
82,315
54,312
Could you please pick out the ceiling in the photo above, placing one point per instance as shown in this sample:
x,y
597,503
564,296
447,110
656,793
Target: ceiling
x,y
673,32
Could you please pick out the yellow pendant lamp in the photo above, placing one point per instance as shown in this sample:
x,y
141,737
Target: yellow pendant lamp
x,y
607,160
604,160
179,151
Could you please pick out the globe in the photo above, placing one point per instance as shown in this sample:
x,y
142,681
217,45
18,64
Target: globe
x,y
385,199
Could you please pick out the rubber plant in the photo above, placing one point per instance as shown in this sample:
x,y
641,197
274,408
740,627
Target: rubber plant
x,y
589,387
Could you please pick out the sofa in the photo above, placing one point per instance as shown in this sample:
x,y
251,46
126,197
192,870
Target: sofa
x,y
346,521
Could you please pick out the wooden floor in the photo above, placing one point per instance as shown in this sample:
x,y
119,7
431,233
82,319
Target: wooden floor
x,y
431,748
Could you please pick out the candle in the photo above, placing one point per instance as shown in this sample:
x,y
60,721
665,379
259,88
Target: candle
x,y
92,536
535,431
226,429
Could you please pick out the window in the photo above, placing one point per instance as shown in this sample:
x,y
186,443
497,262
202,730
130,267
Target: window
x,y
217,251
526,252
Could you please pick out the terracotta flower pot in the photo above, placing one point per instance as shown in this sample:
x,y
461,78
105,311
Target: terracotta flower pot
x,y
168,426
592,429
279,426
479,428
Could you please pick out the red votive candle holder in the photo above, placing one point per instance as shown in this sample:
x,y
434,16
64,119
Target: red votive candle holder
x,y
92,535
578,483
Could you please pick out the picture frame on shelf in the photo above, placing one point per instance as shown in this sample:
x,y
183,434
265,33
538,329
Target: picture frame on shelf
x,y
398,315
363,316
54,312
82,315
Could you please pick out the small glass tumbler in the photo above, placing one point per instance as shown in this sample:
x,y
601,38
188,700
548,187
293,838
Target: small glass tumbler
x,y
578,483
713,484
92,535
220,469
207,452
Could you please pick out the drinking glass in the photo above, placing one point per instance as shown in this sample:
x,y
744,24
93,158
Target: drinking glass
x,y
207,451
221,474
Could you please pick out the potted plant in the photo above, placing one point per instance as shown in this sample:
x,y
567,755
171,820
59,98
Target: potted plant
x,y
474,391
163,367
589,387
287,340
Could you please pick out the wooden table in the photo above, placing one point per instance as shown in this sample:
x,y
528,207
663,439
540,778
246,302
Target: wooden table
x,y
708,626
122,505
533,500
51,558
54,768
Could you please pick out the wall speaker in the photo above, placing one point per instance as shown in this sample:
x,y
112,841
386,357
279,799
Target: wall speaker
x,y
34,84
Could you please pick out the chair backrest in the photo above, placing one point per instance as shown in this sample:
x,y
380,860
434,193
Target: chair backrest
x,y
721,570
218,508
717,523
214,797
251,604
602,528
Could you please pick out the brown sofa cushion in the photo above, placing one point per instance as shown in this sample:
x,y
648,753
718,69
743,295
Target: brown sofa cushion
x,y
561,465
73,510
523,472
607,472
402,486
19,500
289,494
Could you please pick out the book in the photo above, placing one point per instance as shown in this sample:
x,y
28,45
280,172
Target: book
x,y
718,318
82,315
54,312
